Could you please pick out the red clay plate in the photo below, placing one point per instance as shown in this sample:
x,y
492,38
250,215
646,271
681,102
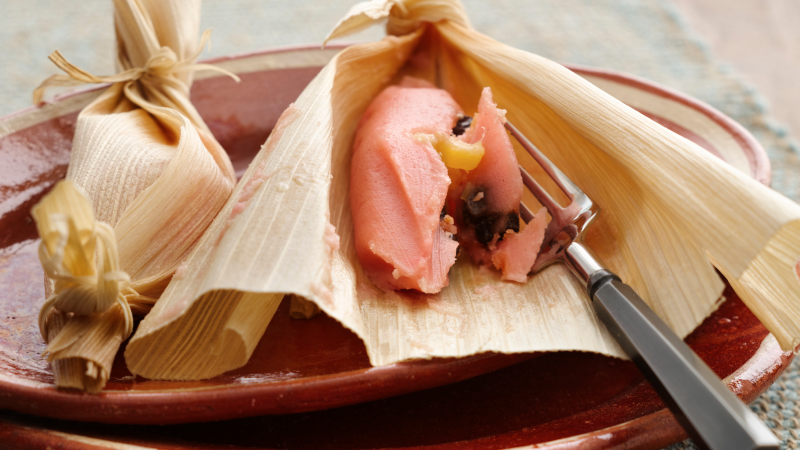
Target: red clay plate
x,y
303,367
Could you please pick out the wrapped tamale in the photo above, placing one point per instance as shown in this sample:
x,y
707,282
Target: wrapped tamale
x,y
671,214
145,179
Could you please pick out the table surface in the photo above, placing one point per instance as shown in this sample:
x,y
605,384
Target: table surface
x,y
755,42
760,39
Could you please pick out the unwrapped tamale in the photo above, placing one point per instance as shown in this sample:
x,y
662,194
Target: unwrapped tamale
x,y
671,214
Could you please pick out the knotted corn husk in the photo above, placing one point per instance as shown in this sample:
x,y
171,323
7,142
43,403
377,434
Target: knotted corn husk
x,y
90,309
671,213
155,177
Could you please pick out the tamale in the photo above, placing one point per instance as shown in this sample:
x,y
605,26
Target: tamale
x,y
146,167
671,214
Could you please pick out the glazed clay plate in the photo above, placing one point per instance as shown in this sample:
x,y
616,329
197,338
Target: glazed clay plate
x,y
303,366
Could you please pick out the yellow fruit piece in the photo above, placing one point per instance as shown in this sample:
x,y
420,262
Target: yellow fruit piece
x,y
458,154
455,153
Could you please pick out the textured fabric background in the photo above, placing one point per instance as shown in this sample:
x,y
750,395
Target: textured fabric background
x,y
644,37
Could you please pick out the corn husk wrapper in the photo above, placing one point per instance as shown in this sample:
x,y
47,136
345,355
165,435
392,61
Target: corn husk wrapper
x,y
671,213
155,178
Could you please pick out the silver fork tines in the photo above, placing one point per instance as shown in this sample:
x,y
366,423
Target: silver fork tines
x,y
572,220
711,414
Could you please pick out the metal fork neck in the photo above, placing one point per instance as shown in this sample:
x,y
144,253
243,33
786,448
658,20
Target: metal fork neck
x,y
583,263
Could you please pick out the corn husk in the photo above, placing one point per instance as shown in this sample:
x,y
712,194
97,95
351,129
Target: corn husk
x,y
91,312
155,178
671,213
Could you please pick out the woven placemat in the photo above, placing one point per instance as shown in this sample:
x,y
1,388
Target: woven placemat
x,y
779,408
644,37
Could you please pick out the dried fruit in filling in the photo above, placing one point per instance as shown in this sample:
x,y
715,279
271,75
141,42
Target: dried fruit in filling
x,y
425,178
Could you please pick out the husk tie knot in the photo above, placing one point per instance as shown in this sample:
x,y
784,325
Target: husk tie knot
x,y
160,69
402,16
80,255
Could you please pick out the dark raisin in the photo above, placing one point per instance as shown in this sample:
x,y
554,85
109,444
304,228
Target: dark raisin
x,y
487,225
485,228
462,124
476,215
476,207
512,222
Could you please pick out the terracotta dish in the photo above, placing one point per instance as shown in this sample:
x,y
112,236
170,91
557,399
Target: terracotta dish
x,y
302,369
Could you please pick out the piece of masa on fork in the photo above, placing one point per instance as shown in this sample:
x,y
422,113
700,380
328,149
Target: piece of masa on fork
x,y
711,414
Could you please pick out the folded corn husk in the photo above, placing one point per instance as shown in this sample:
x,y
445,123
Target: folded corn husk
x,y
150,168
671,213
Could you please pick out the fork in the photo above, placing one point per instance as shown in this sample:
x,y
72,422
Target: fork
x,y
711,414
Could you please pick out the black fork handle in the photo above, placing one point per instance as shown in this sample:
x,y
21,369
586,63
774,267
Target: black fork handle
x,y
711,414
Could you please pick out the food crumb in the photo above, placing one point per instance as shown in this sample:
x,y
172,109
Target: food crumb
x,y
396,274
487,292
478,196
180,272
330,237
448,225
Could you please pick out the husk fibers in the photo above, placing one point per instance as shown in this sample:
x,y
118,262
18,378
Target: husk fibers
x,y
671,212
